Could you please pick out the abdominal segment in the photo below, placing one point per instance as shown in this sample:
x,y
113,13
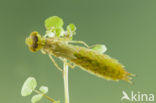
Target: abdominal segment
x,y
100,64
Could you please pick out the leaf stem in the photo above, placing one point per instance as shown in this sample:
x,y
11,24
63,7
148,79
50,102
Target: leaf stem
x,y
65,77
50,99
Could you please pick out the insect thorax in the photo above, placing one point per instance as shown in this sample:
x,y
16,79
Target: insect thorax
x,y
58,48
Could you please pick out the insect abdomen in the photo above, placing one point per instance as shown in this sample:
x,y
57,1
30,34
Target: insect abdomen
x,y
100,64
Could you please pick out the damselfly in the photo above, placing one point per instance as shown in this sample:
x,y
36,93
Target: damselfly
x,y
89,60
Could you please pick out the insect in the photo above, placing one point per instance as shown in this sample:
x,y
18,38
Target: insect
x,y
89,60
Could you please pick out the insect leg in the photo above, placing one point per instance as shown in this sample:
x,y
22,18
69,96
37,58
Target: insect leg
x,y
68,63
79,42
52,59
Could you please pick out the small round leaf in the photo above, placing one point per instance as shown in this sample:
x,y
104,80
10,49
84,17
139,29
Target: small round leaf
x,y
100,48
59,32
71,28
36,98
53,21
44,89
28,86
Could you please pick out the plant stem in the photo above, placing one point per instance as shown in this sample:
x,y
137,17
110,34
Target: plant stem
x,y
65,77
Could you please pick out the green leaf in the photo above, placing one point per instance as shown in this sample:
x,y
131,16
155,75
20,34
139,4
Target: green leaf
x,y
28,86
53,21
56,102
100,48
71,28
59,31
36,98
44,89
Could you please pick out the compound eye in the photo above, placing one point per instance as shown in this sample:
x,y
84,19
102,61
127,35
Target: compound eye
x,y
34,42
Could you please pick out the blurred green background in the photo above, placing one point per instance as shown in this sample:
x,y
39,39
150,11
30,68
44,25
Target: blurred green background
x,y
126,27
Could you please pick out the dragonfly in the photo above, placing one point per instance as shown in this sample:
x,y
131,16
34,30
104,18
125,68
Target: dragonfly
x,y
99,64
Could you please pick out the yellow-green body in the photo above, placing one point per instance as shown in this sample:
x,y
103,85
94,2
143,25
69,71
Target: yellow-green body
x,y
89,60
